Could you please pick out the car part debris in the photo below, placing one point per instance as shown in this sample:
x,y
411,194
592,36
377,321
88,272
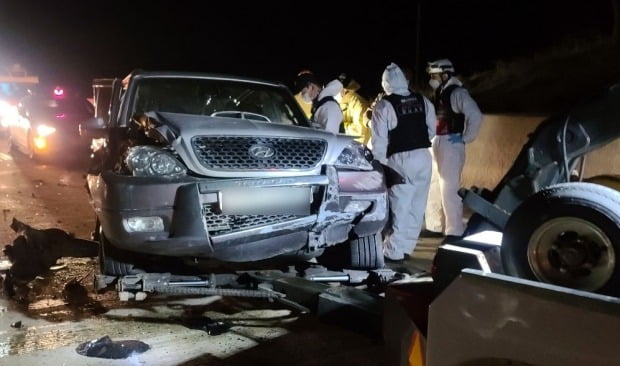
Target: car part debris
x,y
35,252
211,326
135,287
105,347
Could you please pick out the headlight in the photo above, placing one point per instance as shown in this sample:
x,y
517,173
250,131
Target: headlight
x,y
45,130
148,161
355,156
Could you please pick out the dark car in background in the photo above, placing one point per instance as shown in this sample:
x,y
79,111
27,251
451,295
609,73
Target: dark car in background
x,y
47,125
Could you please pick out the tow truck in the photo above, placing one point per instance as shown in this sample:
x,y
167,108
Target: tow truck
x,y
548,223
541,248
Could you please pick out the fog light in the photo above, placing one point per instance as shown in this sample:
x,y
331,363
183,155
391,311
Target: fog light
x,y
143,224
357,206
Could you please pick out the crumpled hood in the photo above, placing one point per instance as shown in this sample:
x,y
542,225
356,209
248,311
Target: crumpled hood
x,y
332,89
179,130
394,81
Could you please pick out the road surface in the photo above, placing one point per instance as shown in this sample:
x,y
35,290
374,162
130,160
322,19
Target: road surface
x,y
47,195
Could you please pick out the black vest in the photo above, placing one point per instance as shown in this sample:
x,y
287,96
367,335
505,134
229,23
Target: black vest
x,y
411,132
448,121
316,104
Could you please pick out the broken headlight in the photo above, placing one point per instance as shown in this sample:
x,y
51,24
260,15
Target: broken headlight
x,y
148,161
355,156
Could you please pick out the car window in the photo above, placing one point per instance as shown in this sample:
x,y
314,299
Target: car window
x,y
213,97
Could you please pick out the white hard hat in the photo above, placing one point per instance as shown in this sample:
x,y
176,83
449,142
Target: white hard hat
x,y
440,66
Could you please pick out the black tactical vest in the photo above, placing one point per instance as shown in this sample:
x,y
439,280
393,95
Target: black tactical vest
x,y
448,121
411,132
316,104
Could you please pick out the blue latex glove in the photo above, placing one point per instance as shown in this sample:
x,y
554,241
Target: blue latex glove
x,y
456,138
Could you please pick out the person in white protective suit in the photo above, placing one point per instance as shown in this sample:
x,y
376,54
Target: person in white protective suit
x,y
326,111
403,124
458,122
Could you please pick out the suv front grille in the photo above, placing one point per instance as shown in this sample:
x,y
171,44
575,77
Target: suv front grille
x,y
223,224
226,153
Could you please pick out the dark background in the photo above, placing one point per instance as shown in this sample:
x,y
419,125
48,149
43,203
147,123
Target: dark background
x,y
72,42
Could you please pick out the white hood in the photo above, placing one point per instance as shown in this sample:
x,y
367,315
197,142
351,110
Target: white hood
x,y
332,89
393,80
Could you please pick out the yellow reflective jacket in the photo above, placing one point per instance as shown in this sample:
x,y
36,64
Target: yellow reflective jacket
x,y
354,108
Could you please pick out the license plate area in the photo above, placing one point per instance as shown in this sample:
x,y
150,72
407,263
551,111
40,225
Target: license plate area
x,y
265,201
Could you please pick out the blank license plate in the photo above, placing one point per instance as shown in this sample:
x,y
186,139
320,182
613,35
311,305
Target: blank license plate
x,y
266,201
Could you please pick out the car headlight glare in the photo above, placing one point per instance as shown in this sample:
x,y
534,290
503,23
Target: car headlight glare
x,y
355,156
148,161
45,130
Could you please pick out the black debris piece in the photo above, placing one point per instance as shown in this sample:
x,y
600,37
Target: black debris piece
x,y
105,347
34,251
211,326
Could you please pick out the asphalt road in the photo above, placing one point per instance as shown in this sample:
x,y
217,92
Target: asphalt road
x,y
46,195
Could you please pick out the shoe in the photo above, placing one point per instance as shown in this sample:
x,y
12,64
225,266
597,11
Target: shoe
x,y
404,259
390,260
430,234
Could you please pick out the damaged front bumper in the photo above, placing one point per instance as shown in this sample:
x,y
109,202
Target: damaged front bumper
x,y
238,219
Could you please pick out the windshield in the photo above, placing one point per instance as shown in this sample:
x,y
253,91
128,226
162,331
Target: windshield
x,y
216,97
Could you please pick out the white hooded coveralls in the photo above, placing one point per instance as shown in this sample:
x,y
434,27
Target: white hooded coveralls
x,y
329,115
444,212
408,200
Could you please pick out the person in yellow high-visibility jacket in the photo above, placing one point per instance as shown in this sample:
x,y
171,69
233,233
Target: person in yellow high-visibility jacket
x,y
354,108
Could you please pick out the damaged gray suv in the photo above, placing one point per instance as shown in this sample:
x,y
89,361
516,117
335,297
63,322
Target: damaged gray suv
x,y
207,166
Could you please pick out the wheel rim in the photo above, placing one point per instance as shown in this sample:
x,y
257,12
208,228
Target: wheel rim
x,y
571,252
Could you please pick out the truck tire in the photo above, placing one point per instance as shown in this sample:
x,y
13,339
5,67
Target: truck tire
x,y
114,261
567,235
367,252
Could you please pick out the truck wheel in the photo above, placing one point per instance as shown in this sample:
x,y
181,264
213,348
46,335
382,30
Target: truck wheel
x,y
114,261
367,252
567,235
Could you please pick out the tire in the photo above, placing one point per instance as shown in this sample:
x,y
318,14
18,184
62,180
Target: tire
x,y
357,253
367,252
567,235
114,261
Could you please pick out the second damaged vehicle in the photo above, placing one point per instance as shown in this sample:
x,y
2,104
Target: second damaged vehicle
x,y
207,166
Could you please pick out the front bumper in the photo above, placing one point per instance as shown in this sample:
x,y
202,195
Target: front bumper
x,y
196,221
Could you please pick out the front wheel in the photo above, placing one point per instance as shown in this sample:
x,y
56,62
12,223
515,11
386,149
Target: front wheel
x,y
367,252
567,235
114,261
357,253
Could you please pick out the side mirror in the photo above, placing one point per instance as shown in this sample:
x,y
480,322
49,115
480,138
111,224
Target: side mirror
x,y
93,128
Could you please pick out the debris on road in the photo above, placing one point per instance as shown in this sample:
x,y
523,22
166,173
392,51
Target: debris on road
x,y
35,251
105,347
74,293
211,326
17,324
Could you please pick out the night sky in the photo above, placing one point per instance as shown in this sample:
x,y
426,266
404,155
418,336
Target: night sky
x,y
74,41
